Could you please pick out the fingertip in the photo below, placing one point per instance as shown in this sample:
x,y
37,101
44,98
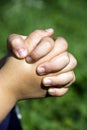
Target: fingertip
x,y
47,82
50,31
52,91
57,91
29,59
19,47
16,44
41,70
21,53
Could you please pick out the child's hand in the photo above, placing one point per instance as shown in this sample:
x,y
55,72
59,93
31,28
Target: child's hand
x,y
59,63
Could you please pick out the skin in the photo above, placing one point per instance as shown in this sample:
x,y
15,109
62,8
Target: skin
x,y
49,71
34,52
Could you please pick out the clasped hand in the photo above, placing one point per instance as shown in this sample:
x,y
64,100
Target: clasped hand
x,y
47,61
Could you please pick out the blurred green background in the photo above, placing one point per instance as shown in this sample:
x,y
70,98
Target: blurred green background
x,y
69,19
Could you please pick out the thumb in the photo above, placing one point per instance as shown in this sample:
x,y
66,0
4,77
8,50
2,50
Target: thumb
x,y
15,43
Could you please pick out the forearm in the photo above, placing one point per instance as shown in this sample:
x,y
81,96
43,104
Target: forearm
x,y
7,100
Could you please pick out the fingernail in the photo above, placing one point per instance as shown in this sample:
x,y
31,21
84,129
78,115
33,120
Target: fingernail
x,y
49,30
47,82
29,59
22,52
52,92
41,70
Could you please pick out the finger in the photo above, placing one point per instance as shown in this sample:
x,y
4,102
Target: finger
x,y
55,65
63,63
59,81
42,49
60,91
35,37
59,47
16,44
57,91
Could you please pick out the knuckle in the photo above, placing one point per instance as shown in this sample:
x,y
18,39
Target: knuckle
x,y
73,60
67,77
13,37
35,55
10,37
72,75
66,58
74,78
49,41
38,32
14,41
11,41
63,41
